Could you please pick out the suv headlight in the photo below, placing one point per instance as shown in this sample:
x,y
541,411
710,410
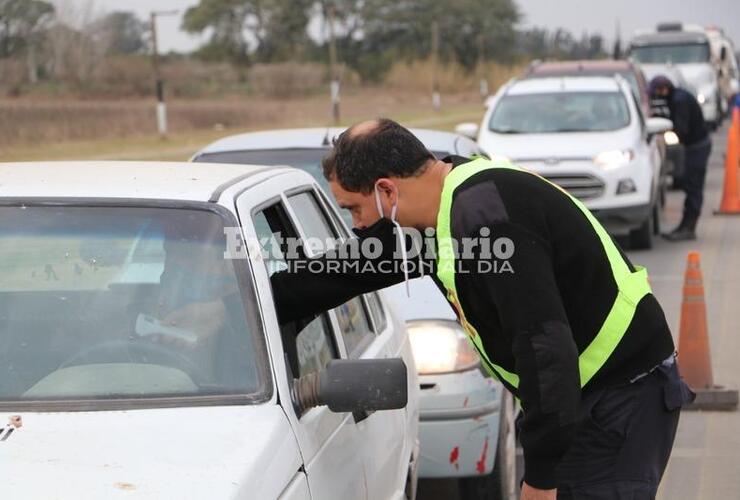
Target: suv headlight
x,y
441,346
701,98
614,159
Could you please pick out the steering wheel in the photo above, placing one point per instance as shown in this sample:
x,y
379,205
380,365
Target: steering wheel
x,y
139,351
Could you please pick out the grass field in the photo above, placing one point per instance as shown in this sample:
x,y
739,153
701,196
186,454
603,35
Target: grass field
x,y
125,130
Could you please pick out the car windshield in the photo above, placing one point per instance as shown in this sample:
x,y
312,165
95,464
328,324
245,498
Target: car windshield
x,y
679,53
560,112
306,159
103,304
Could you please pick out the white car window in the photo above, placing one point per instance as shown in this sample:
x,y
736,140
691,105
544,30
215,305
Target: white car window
x,y
99,303
380,322
310,344
354,322
672,53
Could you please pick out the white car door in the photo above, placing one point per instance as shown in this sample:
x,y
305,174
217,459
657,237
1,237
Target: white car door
x,y
369,331
329,442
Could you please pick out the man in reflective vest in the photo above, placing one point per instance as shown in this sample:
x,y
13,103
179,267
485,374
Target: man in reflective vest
x,y
556,311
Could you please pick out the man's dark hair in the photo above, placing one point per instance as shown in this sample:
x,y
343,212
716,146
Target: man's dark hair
x,y
382,148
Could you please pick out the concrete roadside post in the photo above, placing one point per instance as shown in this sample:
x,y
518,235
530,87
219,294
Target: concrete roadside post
x,y
161,106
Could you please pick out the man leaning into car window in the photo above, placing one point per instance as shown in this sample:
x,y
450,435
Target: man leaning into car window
x,y
542,322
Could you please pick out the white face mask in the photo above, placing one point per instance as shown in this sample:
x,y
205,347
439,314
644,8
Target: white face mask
x,y
401,239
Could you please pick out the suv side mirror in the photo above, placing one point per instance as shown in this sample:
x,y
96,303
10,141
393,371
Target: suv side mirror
x,y
354,385
468,129
657,125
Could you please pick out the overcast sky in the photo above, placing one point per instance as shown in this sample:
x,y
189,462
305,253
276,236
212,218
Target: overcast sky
x,y
575,15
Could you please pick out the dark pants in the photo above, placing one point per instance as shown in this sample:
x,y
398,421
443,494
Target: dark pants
x,y
692,182
624,439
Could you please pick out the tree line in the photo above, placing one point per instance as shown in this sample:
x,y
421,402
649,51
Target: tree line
x,y
369,35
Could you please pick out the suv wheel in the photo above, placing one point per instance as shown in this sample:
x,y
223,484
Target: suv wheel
x,y
656,220
501,483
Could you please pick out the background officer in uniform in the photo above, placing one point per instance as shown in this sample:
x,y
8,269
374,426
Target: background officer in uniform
x,y
688,123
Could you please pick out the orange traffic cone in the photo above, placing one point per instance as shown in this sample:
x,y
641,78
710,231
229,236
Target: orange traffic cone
x,y
731,193
693,344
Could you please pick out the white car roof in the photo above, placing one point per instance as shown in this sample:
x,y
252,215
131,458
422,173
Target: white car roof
x,y
309,138
140,180
563,84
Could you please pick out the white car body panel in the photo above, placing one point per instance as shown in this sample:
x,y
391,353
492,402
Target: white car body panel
x,y
142,180
309,138
188,453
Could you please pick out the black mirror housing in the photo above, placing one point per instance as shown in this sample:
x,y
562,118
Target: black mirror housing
x,y
354,385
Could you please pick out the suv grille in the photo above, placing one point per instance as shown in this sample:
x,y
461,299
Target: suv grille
x,y
583,187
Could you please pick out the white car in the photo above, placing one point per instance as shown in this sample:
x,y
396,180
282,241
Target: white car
x,y
588,135
462,432
687,48
143,363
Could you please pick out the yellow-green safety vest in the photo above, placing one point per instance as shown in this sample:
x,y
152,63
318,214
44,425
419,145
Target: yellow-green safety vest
x,y
632,286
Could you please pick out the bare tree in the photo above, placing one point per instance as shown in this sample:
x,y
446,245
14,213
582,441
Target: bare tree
x,y
78,42
22,25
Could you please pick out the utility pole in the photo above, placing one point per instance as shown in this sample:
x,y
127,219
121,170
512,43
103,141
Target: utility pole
x,y
483,87
161,106
333,69
617,52
436,99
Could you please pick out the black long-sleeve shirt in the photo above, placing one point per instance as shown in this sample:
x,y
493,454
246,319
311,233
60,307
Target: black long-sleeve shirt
x,y
534,315
687,117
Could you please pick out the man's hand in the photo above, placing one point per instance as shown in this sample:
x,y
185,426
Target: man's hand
x,y
530,493
204,319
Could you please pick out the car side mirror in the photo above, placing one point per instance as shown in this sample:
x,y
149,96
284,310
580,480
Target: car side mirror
x,y
723,54
658,125
468,129
354,385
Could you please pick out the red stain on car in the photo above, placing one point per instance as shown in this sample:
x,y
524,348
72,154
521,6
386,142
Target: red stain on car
x,y
454,456
480,465
465,403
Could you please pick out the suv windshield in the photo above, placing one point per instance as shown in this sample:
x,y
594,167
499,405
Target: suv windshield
x,y
99,304
560,112
682,53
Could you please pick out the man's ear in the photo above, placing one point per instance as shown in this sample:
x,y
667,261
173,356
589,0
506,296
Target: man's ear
x,y
385,186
